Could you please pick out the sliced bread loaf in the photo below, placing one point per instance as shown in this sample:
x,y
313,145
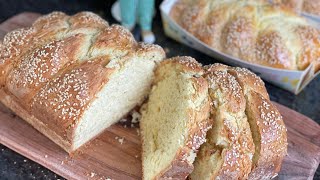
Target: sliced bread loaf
x,y
228,151
175,119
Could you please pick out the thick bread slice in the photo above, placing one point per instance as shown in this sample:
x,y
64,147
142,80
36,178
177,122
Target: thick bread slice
x,y
174,120
71,77
267,126
228,151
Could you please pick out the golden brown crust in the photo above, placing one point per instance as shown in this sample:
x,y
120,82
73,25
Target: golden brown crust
x,y
232,139
39,66
311,7
12,103
12,46
271,146
52,20
115,41
239,35
185,64
265,34
87,19
49,26
308,6
293,4
273,136
272,51
309,37
266,124
249,81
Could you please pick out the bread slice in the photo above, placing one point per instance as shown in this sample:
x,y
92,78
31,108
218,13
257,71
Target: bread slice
x,y
267,126
174,120
228,151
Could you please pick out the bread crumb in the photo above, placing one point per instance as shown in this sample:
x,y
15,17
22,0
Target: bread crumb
x,y
92,174
121,140
123,120
135,116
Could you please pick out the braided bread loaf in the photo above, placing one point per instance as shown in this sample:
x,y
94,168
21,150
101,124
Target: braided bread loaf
x,y
308,6
247,140
71,77
252,30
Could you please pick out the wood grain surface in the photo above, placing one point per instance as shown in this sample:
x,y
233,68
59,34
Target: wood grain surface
x,y
108,157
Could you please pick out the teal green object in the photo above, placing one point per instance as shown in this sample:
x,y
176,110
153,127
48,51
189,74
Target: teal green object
x,y
143,9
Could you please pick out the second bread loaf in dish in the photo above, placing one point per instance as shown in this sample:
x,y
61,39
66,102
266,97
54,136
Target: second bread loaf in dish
x,y
252,30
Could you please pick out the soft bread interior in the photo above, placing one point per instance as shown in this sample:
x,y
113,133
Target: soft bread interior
x,y
211,155
254,128
123,91
164,120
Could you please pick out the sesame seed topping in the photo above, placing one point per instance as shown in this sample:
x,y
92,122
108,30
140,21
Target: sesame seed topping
x,y
67,93
89,18
14,42
239,36
272,50
39,65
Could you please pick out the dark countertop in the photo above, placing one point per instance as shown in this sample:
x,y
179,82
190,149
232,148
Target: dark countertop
x,y
15,166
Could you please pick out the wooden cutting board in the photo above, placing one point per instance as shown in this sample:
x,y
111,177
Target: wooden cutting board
x,y
116,153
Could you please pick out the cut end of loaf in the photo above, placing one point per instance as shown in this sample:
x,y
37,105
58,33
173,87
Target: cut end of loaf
x,y
125,90
174,121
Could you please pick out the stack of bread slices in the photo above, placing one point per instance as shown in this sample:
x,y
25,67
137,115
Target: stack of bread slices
x,y
212,122
71,77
